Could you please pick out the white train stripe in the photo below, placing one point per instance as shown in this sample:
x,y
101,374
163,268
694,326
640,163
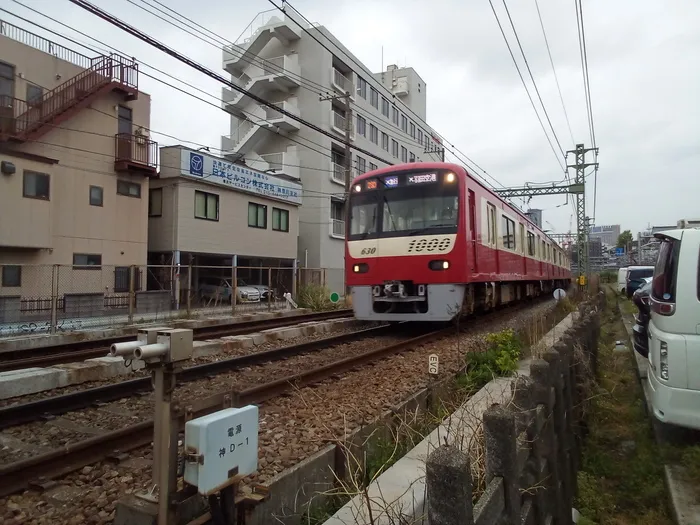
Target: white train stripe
x,y
402,246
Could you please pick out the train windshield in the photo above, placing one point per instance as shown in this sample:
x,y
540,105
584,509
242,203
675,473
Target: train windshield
x,y
406,209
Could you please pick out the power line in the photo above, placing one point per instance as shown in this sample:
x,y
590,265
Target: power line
x,y
162,47
370,75
554,70
527,65
532,103
218,106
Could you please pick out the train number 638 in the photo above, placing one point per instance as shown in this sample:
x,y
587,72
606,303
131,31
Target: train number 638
x,y
368,251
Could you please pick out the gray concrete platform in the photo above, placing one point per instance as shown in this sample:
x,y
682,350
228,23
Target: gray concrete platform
x,y
32,380
23,342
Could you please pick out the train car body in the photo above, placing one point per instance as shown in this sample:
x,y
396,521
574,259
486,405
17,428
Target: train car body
x,y
428,242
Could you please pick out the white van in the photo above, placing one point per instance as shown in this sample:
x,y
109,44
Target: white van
x,y
674,329
622,280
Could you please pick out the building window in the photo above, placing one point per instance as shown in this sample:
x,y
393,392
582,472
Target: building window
x,y
395,115
394,148
155,202
361,125
34,94
7,80
413,130
385,141
361,87
404,123
257,215
404,154
122,278
206,206
373,133
385,107
411,157
372,166
96,196
508,232
374,97
129,189
36,185
280,220
11,276
91,261
361,165
337,211
420,136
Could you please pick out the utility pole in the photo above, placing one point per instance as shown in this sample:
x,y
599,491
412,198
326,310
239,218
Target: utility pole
x,y
348,154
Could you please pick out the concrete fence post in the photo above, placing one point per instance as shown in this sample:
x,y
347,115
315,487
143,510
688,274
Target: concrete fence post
x,y
502,457
564,498
546,443
449,487
568,386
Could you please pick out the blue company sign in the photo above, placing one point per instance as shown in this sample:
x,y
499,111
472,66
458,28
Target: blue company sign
x,y
619,251
238,177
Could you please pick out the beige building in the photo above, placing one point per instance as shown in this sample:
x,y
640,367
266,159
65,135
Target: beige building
x,y
213,214
75,161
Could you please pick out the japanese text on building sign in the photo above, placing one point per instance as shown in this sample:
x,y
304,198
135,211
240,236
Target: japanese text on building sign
x,y
239,177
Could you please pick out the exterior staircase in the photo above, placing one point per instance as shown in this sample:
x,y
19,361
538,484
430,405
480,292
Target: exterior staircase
x,y
21,121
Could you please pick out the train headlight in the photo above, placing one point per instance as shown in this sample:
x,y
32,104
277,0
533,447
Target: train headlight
x,y
360,268
439,265
450,177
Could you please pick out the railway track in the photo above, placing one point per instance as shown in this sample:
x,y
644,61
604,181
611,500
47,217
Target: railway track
x,y
35,471
23,413
78,351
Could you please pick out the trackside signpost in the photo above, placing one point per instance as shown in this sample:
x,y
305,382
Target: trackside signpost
x,y
335,297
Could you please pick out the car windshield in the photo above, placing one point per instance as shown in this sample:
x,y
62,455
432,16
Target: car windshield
x,y
636,275
405,210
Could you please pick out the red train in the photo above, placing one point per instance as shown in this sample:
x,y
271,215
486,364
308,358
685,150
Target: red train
x,y
426,241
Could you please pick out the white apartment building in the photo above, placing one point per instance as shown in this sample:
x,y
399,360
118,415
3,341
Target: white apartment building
x,y
282,63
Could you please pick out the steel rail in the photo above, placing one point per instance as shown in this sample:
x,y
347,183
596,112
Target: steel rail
x,y
19,475
36,410
79,350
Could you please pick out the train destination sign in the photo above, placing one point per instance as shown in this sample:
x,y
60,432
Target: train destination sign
x,y
422,178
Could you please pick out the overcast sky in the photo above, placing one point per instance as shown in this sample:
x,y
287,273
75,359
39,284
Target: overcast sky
x,y
643,68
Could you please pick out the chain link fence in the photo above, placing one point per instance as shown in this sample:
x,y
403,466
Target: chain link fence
x,y
37,299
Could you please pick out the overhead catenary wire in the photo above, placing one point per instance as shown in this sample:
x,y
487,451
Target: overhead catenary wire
x,y
218,106
195,65
554,70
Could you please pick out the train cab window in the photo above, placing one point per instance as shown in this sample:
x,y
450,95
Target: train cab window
x,y
363,218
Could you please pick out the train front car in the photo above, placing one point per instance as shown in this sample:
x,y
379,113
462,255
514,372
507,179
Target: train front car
x,y
404,255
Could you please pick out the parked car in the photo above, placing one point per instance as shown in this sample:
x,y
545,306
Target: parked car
x,y
222,290
264,291
674,329
622,279
635,278
641,319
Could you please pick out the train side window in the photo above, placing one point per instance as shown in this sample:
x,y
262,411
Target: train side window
x,y
491,222
508,233
531,246
522,238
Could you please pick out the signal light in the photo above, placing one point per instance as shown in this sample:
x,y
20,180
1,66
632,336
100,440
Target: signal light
x,y
439,265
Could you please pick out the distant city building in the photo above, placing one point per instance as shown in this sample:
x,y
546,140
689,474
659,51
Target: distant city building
x,y
606,234
535,216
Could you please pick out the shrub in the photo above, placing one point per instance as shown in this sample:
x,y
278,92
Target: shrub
x,y
499,359
316,297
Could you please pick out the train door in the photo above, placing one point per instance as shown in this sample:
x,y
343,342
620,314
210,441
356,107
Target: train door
x,y
472,232
523,248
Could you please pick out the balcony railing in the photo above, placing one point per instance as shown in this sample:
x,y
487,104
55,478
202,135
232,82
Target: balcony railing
x,y
344,83
273,66
272,113
337,228
338,120
338,173
135,153
274,160
42,44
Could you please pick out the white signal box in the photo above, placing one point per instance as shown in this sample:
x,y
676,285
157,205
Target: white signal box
x,y
218,443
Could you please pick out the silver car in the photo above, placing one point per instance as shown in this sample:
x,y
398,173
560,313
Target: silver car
x,y
223,291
